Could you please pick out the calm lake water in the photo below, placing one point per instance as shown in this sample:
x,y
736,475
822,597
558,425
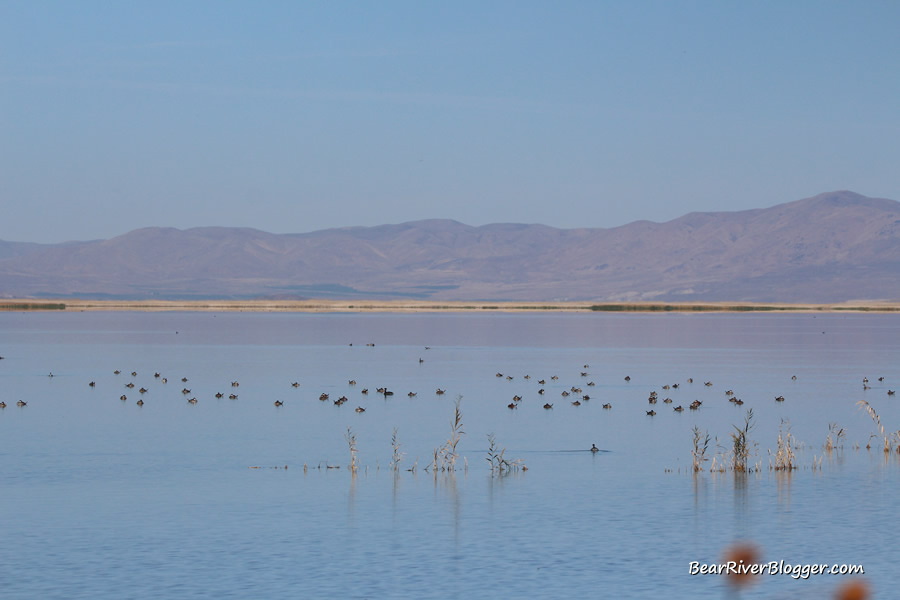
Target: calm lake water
x,y
102,498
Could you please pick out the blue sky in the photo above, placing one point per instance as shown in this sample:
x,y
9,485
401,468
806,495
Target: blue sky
x,y
297,116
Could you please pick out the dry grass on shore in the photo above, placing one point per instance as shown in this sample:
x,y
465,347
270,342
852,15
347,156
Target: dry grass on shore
x,y
410,306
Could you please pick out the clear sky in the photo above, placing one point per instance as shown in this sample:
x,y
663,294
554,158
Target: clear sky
x,y
297,116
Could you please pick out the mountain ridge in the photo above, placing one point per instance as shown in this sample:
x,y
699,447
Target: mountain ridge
x,y
831,247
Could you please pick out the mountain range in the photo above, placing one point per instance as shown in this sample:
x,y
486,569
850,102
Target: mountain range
x,y
833,247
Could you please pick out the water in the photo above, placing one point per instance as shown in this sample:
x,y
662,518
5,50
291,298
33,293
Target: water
x,y
102,498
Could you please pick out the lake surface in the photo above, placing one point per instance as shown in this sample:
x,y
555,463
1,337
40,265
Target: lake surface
x,y
102,498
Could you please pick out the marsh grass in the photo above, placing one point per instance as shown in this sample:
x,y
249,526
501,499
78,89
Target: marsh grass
x,y
890,440
397,456
741,445
501,466
351,443
835,438
445,457
784,453
701,444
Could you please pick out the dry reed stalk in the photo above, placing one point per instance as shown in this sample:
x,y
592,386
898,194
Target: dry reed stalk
x,y
701,443
351,442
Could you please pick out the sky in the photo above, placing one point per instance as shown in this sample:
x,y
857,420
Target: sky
x,y
297,116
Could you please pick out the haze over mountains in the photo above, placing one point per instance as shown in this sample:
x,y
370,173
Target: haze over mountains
x,y
830,248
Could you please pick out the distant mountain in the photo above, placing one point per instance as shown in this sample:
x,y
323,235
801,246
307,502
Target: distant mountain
x,y
830,248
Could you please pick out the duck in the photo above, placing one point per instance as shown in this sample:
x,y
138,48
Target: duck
x,y
651,412
129,385
156,375
323,396
517,398
627,378
594,448
192,401
140,402
143,390
165,380
548,406
607,406
439,392
512,405
678,408
2,404
359,409
364,391
278,403
411,394
92,384
541,391
296,384
232,396
184,380
585,397
779,398
123,397
542,381
219,395
235,384
351,382
185,391
134,373
21,403
116,372
576,403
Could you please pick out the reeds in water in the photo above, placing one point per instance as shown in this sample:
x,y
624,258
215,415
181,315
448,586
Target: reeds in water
x,y
701,444
351,443
499,465
741,445
397,456
784,454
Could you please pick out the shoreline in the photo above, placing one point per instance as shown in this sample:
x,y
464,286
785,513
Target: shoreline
x,y
401,306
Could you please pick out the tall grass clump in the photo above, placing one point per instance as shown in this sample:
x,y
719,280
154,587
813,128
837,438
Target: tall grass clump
x,y
835,438
444,457
701,444
784,454
741,445
397,456
351,443
499,465
889,440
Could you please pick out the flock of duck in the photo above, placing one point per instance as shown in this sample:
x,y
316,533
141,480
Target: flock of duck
x,y
574,391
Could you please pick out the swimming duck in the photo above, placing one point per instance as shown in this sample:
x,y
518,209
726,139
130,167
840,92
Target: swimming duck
x,y
360,409
594,448
278,403
548,406
140,402
651,412
607,406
